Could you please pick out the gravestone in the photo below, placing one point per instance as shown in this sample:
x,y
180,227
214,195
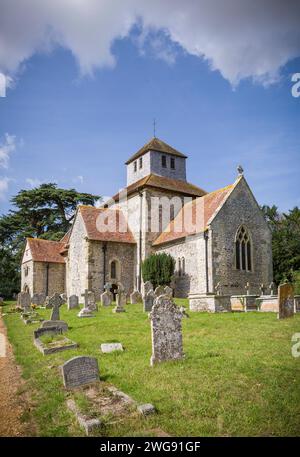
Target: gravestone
x,y
73,302
64,298
159,291
92,305
285,301
61,325
55,301
46,331
166,331
80,371
111,347
35,300
148,301
106,298
85,311
120,303
136,297
24,301
168,291
147,287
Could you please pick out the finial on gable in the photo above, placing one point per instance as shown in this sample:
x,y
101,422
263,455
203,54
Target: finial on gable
x,y
240,170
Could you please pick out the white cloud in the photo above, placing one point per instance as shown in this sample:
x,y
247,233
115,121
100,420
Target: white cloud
x,y
79,179
6,149
33,182
240,38
3,187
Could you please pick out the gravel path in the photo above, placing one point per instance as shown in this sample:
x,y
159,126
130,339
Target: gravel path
x,y
12,403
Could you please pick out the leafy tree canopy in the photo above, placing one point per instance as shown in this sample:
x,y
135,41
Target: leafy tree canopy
x,y
43,212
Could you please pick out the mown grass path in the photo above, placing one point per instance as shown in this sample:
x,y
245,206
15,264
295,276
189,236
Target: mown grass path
x,y
238,377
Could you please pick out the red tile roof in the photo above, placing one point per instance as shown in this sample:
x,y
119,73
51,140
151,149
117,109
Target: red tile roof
x,y
66,237
199,212
155,144
163,183
45,250
97,220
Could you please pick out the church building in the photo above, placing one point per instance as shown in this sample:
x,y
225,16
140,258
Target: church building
x,y
220,240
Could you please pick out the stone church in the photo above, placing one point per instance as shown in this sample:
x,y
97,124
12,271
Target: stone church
x,y
224,248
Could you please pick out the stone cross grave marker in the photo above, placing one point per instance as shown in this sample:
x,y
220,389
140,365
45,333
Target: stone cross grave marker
x,y
55,301
285,301
73,302
148,301
85,311
136,297
80,371
166,331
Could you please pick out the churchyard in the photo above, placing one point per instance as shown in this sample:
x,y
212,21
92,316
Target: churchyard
x,y
238,376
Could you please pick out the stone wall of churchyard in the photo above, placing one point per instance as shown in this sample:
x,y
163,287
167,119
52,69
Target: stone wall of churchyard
x,y
193,278
240,209
27,276
77,266
124,256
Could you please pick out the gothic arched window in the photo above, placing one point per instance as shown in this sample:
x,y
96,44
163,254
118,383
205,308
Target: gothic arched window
x,y
243,250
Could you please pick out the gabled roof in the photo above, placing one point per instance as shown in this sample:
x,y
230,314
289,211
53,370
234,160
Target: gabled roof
x,y
66,237
161,182
199,211
155,144
112,218
45,250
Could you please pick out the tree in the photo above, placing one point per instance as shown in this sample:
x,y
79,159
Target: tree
x,y
43,212
285,242
159,269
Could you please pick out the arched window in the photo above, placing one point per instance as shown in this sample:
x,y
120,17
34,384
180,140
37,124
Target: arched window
x,y
183,266
113,270
160,218
243,250
172,212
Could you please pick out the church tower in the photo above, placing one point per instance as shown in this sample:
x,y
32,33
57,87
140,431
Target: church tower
x,y
157,158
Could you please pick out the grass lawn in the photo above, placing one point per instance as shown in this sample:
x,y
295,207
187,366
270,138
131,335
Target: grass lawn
x,y
238,378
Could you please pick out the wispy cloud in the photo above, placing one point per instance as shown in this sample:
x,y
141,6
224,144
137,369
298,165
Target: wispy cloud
x,y
3,187
7,147
33,182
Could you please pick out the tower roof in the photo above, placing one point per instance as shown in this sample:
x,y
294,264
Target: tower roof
x,y
155,144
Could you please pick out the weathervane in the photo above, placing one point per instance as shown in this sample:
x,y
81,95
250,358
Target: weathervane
x,y
154,128
240,170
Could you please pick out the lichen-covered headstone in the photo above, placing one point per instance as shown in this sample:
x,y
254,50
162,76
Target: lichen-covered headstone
x,y
92,305
286,301
24,301
121,302
159,291
80,371
106,299
166,331
73,302
136,297
148,301
55,301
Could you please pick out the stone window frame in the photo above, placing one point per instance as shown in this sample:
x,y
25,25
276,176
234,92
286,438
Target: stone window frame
x,y
164,161
118,269
248,250
26,270
172,163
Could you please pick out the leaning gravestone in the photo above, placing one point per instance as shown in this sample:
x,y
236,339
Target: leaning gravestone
x,y
24,301
73,302
166,331
148,301
286,301
106,298
79,371
159,291
147,287
168,291
136,297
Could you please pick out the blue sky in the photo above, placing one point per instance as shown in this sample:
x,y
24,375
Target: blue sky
x,y
78,129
